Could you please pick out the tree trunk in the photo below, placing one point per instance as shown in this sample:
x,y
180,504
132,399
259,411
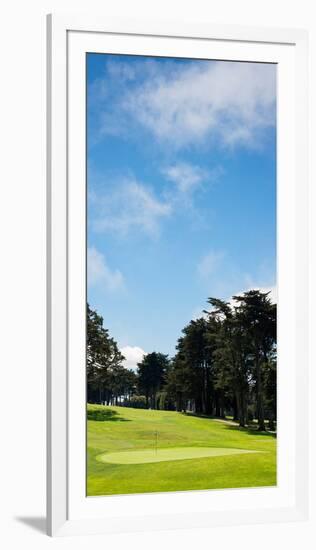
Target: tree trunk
x,y
217,405
241,408
259,390
198,405
209,391
222,408
235,409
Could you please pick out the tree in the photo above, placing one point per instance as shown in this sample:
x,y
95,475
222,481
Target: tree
x,y
103,357
257,316
178,380
269,377
230,355
121,384
151,372
197,358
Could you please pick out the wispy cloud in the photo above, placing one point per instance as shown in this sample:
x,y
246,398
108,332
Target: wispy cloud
x,y
133,355
231,102
187,177
132,206
99,273
223,278
209,264
122,70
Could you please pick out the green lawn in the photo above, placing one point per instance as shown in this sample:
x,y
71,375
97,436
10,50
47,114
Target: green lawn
x,y
191,453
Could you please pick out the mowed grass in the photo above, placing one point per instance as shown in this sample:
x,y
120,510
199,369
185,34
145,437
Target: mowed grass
x,y
126,430
147,456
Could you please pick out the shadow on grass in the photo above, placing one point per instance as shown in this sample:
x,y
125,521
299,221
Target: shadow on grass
x,y
105,415
194,415
251,429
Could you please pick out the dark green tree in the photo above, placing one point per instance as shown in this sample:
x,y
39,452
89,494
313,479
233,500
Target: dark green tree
x,y
178,380
231,344
257,316
197,357
151,375
103,356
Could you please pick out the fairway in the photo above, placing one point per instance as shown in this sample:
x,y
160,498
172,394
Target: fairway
x,y
164,455
138,451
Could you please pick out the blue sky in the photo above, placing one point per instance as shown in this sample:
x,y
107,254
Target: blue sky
x,y
181,191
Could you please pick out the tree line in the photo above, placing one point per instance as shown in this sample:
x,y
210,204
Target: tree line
x,y
225,365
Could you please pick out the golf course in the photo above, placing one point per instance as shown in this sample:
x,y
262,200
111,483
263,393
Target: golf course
x,y
181,280
133,450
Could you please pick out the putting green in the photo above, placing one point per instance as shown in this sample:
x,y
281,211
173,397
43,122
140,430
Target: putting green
x,y
145,456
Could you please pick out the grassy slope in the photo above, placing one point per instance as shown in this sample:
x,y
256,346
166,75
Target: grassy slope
x,y
119,429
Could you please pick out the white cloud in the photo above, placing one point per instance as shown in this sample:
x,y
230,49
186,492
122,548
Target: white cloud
x,y
97,91
231,102
133,355
132,206
209,264
186,176
99,272
121,70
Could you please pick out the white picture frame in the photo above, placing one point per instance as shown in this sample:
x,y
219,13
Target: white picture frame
x,y
69,511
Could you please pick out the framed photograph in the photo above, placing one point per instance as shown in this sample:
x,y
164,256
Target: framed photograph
x,y
177,196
